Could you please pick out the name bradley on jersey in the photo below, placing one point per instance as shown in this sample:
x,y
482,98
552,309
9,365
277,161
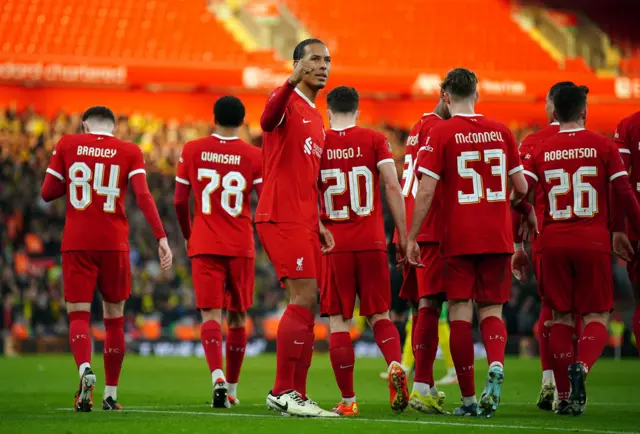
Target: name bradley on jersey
x,y
570,154
485,137
96,152
214,157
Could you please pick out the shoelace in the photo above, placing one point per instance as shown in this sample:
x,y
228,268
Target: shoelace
x,y
297,398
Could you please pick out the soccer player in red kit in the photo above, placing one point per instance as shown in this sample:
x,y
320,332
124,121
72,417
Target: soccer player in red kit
x,y
93,170
575,168
422,287
353,162
627,137
473,158
222,170
287,219
520,261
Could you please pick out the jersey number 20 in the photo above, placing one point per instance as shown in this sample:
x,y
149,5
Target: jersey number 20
x,y
354,189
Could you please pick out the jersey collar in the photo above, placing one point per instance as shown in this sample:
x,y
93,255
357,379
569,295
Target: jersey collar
x,y
432,113
468,115
218,136
304,97
343,129
573,130
100,133
555,123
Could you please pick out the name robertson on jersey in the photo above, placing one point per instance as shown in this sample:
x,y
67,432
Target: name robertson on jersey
x,y
96,152
214,157
570,154
486,137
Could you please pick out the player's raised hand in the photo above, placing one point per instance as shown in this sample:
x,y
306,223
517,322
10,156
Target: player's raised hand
x,y
303,68
520,264
622,246
164,252
326,239
413,254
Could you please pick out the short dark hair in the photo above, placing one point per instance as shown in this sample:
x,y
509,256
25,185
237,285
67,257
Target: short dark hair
x,y
343,99
569,103
298,52
460,82
228,111
99,112
559,85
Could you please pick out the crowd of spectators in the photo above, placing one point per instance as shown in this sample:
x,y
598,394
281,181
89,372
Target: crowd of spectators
x,y
31,230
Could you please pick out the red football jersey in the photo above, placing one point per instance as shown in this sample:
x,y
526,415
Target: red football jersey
x,y
96,168
350,188
472,157
528,145
222,172
430,230
291,164
574,168
627,137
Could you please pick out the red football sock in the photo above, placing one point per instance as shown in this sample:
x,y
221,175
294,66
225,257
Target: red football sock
x,y
414,323
426,344
546,358
303,365
293,331
388,340
79,338
114,348
636,327
461,343
578,329
494,337
211,338
342,360
235,348
561,346
594,338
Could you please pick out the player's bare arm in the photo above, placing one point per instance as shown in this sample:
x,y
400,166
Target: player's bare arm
x,y
424,198
326,239
395,199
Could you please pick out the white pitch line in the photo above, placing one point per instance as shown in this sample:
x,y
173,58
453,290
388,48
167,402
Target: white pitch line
x,y
414,422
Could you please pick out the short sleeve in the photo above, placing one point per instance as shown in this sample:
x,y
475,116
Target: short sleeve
x,y
529,167
615,165
56,165
256,167
514,163
182,171
620,138
382,148
137,164
430,159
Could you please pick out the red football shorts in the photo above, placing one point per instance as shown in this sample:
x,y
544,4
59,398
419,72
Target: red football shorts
x,y
83,270
347,274
577,280
427,281
482,278
536,260
293,248
223,282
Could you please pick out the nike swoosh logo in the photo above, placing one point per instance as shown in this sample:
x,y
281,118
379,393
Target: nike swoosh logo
x,y
284,407
345,367
384,341
298,343
304,121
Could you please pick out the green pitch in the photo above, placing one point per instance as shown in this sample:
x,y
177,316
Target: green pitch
x,y
172,395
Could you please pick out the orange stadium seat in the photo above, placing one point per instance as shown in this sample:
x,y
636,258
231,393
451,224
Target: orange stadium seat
x,y
154,30
427,34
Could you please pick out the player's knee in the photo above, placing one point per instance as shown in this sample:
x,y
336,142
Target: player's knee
x,y
211,315
489,310
236,319
338,324
304,292
434,302
563,318
460,310
373,319
601,317
78,307
113,310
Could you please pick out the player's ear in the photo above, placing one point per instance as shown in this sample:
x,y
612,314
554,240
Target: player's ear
x,y
85,127
477,97
357,114
329,114
295,63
